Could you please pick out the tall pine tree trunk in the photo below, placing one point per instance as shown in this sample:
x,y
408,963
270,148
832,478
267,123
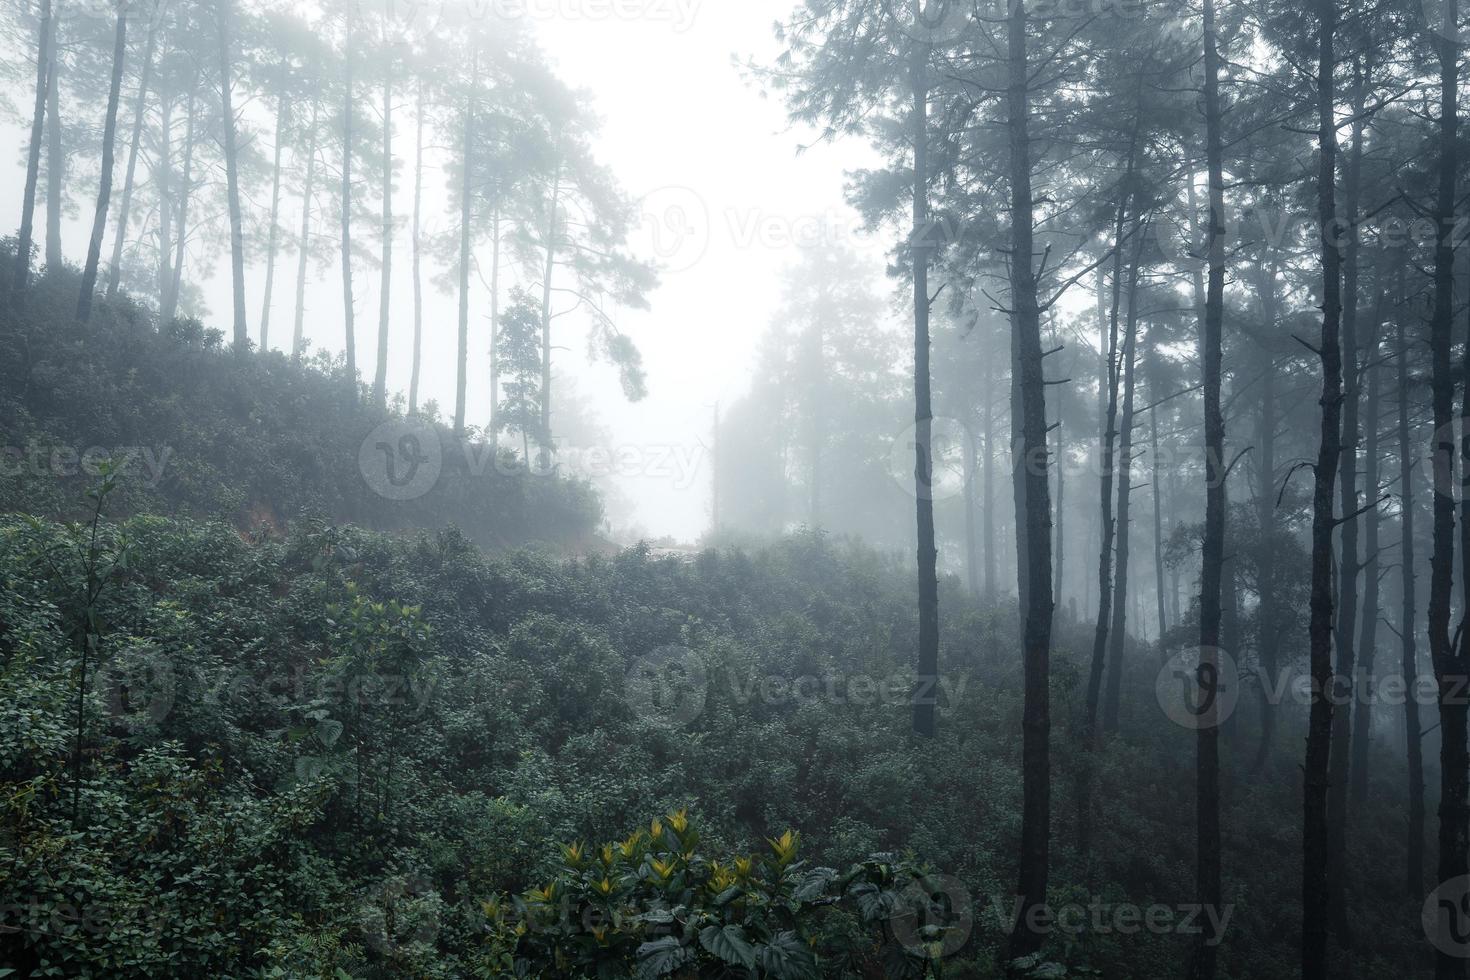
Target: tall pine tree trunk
x,y
495,323
1349,564
988,480
273,236
232,177
119,238
1033,537
380,376
418,248
21,276
1408,647
920,244
1316,846
303,244
348,315
104,192
546,276
186,194
1268,617
163,174
1118,637
1368,639
1108,460
55,160
1156,492
1207,762
1449,666
466,214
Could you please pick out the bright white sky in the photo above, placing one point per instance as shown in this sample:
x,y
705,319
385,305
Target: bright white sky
x,y
727,198
682,126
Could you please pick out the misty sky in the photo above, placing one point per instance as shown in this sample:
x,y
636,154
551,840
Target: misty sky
x,y
726,197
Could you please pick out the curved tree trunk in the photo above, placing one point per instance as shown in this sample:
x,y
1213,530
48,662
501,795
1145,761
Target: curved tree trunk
x,y
1108,459
119,238
104,192
55,160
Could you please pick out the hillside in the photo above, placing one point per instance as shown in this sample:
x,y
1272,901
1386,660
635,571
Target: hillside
x,y
259,442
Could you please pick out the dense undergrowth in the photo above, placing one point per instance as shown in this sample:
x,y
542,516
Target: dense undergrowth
x,y
344,754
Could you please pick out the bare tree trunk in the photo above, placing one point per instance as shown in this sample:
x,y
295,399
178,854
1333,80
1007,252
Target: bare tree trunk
x,y
418,248
303,244
186,194
1061,510
1409,653
928,555
164,175
22,274
972,544
380,376
1268,640
1316,832
283,108
546,276
466,213
988,479
1118,638
1108,460
104,192
114,272
55,160
1449,665
347,307
1156,491
1207,760
1368,640
1033,537
232,178
1349,564
495,324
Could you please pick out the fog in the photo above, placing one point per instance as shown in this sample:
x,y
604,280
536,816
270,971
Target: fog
x,y
703,489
